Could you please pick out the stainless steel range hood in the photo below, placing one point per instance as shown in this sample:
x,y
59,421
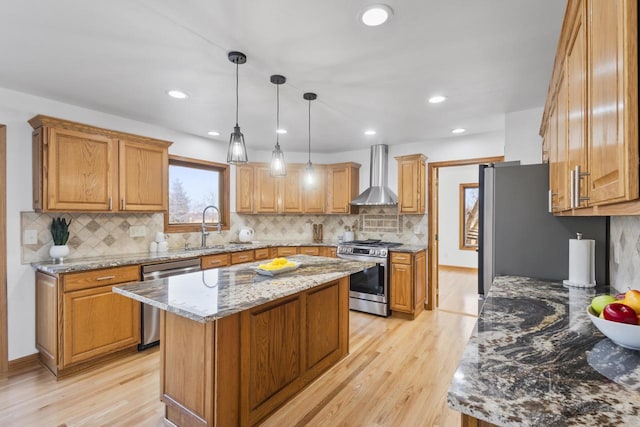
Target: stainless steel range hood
x,y
378,194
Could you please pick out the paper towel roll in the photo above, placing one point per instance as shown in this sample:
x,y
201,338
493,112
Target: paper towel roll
x,y
582,266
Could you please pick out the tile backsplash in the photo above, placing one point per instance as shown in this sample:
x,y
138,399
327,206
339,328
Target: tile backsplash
x,y
109,234
624,261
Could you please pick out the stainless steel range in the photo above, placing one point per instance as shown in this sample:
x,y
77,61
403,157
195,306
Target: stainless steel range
x,y
369,289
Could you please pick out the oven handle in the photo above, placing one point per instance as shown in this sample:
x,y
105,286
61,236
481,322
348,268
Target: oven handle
x,y
382,261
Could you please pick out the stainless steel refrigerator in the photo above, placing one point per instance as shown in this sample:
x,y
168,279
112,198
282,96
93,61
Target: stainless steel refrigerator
x,y
517,234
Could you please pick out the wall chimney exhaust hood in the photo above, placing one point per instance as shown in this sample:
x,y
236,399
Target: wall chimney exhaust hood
x,y
378,194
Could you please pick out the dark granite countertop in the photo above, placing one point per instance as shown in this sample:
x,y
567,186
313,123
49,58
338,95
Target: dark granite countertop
x,y
208,295
535,359
93,263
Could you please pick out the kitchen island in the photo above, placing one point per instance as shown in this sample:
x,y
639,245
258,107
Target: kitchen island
x,y
535,359
236,345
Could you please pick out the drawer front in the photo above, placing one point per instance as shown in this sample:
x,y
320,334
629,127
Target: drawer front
x,y
214,261
240,257
261,254
287,251
401,258
310,250
102,277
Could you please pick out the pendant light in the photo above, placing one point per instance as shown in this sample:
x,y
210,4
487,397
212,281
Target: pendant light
x,y
237,150
278,167
309,174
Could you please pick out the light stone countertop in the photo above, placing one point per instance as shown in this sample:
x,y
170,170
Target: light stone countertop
x,y
208,295
107,261
535,359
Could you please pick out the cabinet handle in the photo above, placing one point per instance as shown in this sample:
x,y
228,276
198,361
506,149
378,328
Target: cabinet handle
x,y
110,203
578,176
551,206
98,279
572,189
123,204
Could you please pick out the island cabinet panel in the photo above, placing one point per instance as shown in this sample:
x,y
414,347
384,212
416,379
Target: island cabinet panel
x,y
96,322
244,189
274,350
237,370
81,170
469,421
144,176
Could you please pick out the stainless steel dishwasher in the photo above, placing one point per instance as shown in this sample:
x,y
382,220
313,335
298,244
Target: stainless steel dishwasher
x,y
149,315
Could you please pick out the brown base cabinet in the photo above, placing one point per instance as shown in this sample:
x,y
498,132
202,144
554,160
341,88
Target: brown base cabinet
x,y
80,321
407,283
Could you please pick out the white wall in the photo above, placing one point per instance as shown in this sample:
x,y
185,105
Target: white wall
x,y
449,180
15,109
522,141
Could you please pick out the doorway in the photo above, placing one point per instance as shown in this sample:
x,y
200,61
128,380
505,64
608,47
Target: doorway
x,y
4,343
460,277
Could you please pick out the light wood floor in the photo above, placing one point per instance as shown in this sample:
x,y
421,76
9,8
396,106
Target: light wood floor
x,y
397,374
458,291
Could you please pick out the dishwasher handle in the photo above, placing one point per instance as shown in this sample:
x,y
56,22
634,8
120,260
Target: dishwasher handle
x,y
171,268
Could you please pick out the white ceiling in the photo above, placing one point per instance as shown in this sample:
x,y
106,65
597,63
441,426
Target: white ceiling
x,y
488,57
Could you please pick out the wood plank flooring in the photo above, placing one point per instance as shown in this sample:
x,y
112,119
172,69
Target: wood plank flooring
x,y
397,374
458,291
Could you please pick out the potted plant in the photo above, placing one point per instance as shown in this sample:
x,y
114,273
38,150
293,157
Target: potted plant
x,y
60,234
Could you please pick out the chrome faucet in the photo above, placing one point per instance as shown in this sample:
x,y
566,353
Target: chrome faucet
x,y
205,233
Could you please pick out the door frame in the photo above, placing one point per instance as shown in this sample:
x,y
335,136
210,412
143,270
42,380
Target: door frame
x,y
432,192
4,340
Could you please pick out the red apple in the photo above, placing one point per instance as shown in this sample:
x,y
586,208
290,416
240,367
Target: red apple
x,y
621,313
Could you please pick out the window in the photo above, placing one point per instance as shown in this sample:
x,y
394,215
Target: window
x,y
193,185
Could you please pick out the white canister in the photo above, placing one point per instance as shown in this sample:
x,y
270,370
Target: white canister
x,y
160,237
153,247
348,236
163,246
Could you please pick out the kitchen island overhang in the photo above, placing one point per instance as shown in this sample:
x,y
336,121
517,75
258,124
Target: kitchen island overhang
x,y
236,345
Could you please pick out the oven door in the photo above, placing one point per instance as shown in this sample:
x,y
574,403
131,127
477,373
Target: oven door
x,y
369,284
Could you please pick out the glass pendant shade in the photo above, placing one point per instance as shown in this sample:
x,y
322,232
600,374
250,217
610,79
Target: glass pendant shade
x,y
237,150
278,166
309,176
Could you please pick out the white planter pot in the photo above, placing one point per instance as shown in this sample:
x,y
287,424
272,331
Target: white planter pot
x,y
58,252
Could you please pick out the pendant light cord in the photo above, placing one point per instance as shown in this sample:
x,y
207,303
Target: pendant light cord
x,y
309,131
277,112
237,94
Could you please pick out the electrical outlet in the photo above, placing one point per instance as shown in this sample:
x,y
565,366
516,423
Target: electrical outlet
x,y
137,231
30,237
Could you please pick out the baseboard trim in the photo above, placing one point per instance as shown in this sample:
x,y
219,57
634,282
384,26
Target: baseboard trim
x,y
23,362
457,268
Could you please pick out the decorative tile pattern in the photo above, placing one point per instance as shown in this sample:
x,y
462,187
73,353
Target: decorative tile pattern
x,y
108,234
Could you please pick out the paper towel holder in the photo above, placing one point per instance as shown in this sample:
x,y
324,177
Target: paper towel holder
x,y
590,281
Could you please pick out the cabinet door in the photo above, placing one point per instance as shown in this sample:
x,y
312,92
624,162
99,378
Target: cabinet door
x,y
266,191
422,187
314,195
576,78
144,177
244,189
97,322
240,257
562,198
338,190
613,91
214,261
401,287
287,251
329,251
309,250
81,171
409,181
291,190
420,280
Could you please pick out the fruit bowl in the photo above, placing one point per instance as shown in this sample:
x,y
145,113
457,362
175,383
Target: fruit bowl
x,y
624,335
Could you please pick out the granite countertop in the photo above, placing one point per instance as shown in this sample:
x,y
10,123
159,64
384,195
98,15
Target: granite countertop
x,y
93,263
208,295
535,359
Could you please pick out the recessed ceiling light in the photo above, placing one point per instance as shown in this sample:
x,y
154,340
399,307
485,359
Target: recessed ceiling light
x,y
178,94
213,133
281,131
458,130
376,14
370,132
437,99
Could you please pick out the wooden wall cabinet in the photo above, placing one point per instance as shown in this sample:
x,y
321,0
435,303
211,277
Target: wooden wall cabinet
x,y
83,168
79,320
408,283
590,122
343,182
411,184
314,197
244,188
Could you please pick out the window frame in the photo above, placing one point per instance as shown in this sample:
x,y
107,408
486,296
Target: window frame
x,y
224,186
